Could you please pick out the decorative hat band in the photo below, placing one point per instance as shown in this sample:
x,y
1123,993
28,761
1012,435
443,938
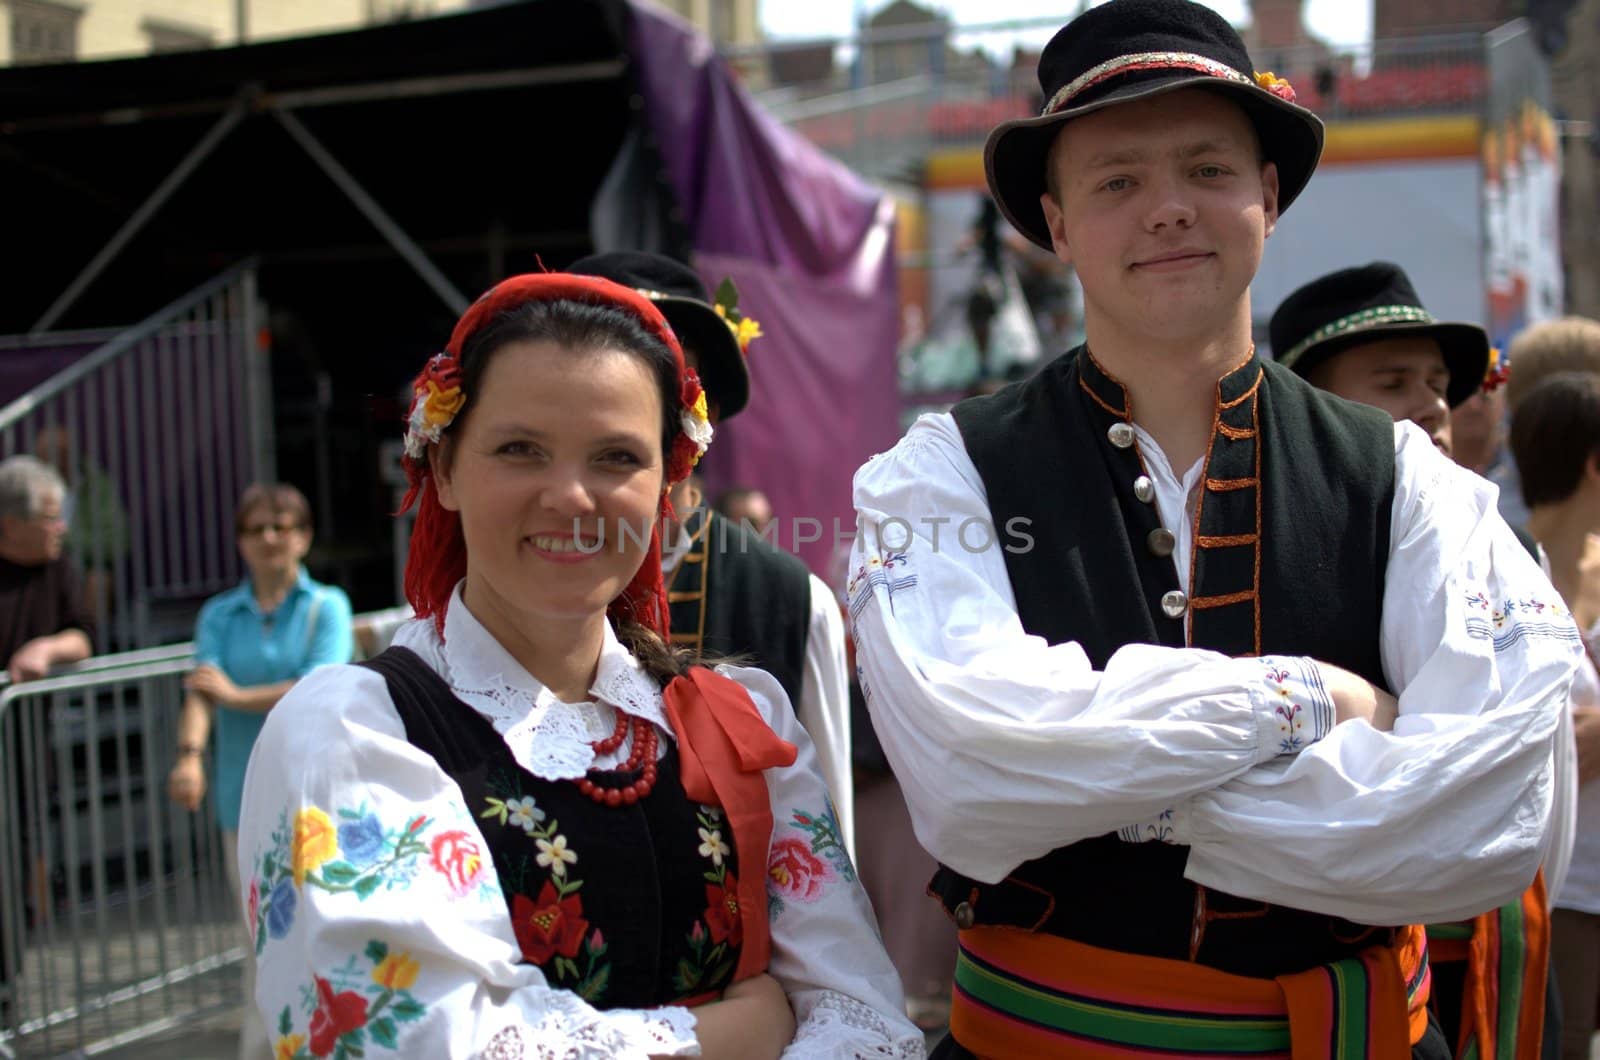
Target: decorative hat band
x,y
1366,320
1139,61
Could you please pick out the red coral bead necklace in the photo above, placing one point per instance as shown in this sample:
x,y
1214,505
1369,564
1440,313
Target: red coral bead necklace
x,y
641,758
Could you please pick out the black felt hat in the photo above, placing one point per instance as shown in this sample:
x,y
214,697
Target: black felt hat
x,y
1133,49
1368,304
676,290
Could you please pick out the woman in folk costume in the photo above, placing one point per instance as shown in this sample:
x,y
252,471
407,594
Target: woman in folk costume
x,y
1248,677
529,828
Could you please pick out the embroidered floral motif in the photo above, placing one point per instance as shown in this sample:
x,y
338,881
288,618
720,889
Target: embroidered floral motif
x,y
719,930
1512,621
552,926
799,867
552,930
555,855
521,813
350,1010
826,839
357,855
878,572
1159,830
553,933
314,842
722,911
1301,705
712,846
1291,715
457,857
795,873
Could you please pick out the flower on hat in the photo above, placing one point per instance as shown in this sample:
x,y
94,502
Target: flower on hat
x,y
1498,372
1276,85
745,329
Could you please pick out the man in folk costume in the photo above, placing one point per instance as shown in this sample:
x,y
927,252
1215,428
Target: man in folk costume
x,y
731,592
1129,630
1363,333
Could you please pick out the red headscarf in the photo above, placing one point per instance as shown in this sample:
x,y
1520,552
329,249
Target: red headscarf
x,y
438,557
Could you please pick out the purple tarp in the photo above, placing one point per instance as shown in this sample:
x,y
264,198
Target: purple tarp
x,y
810,246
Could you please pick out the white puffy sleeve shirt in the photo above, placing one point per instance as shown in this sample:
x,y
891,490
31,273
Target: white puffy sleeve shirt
x,y
379,917
1008,747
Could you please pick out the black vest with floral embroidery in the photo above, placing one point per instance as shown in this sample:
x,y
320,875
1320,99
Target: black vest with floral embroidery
x,y
1290,550
628,906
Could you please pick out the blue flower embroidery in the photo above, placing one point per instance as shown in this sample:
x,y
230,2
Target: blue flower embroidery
x,y
361,840
280,908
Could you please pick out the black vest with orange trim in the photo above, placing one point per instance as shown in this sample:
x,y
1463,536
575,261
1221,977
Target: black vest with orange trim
x,y
1290,549
734,593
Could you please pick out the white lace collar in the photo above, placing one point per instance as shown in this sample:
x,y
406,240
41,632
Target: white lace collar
x,y
549,738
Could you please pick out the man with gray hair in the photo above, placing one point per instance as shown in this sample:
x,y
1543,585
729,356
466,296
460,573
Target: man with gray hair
x,y
43,617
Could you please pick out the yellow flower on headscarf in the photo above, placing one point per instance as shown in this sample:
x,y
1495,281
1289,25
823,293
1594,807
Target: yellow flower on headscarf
x,y
701,411
288,1045
441,406
396,972
315,841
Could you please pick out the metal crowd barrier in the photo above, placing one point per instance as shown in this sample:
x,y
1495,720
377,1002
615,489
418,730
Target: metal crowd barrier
x,y
116,922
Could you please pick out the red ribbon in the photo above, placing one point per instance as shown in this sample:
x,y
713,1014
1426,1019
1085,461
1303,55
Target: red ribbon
x,y
724,744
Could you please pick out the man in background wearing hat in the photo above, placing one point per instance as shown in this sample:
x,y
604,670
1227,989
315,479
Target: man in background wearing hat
x,y
731,592
1363,333
1149,731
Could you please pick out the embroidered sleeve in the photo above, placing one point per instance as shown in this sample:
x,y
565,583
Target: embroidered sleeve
x,y
1449,814
375,910
825,946
1044,748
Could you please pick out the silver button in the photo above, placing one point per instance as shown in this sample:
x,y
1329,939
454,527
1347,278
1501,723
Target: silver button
x,y
1161,541
1121,435
964,916
1144,489
1175,603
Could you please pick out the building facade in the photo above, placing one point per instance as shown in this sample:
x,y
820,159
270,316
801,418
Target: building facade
x,y
36,31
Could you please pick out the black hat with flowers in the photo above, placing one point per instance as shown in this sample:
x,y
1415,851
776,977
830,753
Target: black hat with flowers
x,y
676,290
1370,303
1127,50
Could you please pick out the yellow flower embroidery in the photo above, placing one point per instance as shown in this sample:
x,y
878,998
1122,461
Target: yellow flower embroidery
x,y
315,841
288,1045
396,972
441,406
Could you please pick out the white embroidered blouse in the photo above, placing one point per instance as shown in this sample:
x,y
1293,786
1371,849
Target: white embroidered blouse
x,y
1008,747
379,917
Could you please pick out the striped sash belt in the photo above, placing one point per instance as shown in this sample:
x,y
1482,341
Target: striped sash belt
x,y
1020,994
1507,954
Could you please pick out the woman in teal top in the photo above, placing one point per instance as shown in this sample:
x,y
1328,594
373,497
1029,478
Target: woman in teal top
x,y
252,643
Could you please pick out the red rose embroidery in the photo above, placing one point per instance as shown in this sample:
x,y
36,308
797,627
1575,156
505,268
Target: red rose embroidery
x,y
797,872
722,911
458,860
553,925
255,907
336,1014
